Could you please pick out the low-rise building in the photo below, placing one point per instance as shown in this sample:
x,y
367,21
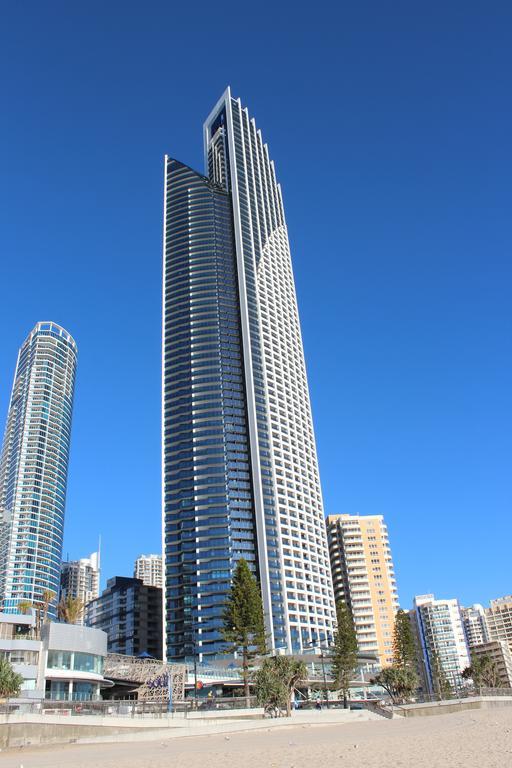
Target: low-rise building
x,y
20,644
58,661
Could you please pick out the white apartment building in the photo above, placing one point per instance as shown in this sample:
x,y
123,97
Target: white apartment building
x,y
81,579
149,569
475,625
442,640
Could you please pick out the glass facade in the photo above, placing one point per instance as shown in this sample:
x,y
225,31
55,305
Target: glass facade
x,y
34,466
240,474
130,612
73,660
209,519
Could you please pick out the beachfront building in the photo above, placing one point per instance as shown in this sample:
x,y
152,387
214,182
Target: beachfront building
x,y
149,569
500,653
240,470
130,612
363,577
81,579
442,641
499,619
56,661
34,468
475,625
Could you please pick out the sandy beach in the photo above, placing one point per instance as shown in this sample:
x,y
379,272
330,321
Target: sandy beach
x,y
480,738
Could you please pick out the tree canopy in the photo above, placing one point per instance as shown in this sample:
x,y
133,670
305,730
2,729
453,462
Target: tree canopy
x,y
10,681
275,680
483,672
70,609
399,682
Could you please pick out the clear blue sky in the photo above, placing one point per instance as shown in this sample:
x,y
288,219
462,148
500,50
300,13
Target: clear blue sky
x,y
390,125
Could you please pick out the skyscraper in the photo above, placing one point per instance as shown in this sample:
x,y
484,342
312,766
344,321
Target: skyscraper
x,y
240,471
363,577
149,568
81,579
34,467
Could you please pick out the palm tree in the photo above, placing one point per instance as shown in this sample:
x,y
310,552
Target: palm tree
x,y
47,599
70,609
25,606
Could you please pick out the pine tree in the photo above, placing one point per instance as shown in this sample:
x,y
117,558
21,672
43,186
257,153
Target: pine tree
x,y
244,626
344,651
441,684
404,647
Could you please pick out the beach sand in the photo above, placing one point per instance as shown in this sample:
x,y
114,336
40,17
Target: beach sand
x,y
473,739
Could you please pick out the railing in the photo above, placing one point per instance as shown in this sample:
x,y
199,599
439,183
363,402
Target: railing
x,y
124,707
460,694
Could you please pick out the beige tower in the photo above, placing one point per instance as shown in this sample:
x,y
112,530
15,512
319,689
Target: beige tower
x,y
363,576
499,619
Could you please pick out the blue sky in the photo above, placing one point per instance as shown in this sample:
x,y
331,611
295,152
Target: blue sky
x,y
390,127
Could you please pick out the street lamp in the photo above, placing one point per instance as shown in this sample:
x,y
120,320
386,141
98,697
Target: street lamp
x,y
170,707
322,658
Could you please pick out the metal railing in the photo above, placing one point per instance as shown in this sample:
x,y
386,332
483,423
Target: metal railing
x,y
123,707
460,694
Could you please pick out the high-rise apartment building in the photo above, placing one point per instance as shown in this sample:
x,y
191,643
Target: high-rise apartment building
x,y
475,625
499,619
240,471
442,641
149,568
81,579
34,467
363,577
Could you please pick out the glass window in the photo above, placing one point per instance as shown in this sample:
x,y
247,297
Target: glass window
x,y
84,691
59,660
58,690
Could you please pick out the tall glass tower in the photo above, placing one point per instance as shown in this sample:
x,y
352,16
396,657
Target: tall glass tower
x,y
240,471
34,467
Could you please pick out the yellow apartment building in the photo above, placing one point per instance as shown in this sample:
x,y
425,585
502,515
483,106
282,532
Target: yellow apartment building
x,y
363,576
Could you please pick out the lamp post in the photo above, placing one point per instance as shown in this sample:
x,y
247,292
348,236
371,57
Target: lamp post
x,y
322,658
169,691
326,691
195,677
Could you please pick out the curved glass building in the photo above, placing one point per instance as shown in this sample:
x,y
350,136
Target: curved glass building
x,y
34,466
240,473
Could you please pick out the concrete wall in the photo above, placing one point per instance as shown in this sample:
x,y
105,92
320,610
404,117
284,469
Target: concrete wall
x,y
446,707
